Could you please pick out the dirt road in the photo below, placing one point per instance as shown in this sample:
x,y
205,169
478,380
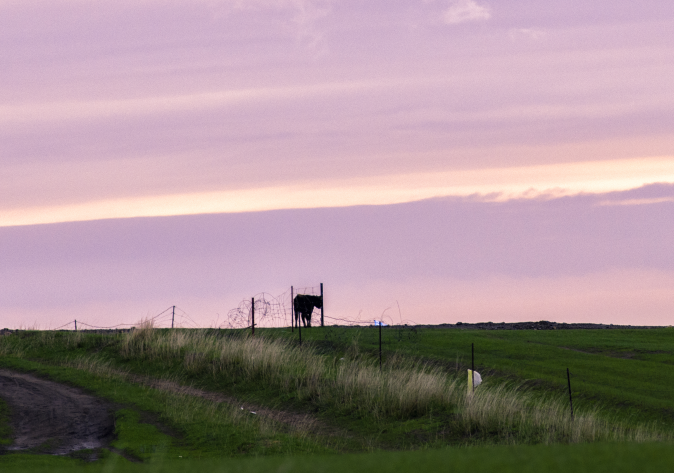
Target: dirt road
x,y
49,417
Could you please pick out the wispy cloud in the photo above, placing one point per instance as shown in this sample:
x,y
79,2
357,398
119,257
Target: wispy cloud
x,y
526,33
305,14
496,184
654,200
462,11
73,110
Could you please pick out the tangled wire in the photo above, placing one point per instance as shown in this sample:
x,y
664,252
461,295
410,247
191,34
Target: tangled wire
x,y
276,311
270,311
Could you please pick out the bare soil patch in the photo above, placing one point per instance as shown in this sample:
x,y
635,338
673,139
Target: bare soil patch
x,y
49,417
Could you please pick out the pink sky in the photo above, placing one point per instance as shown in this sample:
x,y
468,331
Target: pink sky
x,y
469,160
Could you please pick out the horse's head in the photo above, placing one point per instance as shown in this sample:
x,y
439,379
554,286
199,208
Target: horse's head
x,y
317,301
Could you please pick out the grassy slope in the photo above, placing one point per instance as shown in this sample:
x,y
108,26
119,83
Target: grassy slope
x,y
365,434
634,387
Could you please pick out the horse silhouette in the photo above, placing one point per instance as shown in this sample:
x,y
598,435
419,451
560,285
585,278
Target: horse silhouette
x,y
304,306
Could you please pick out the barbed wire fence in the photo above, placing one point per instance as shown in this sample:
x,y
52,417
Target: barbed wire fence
x,y
397,331
172,317
276,311
265,310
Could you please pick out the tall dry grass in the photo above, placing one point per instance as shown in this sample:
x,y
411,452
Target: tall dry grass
x,y
402,388
18,345
8,347
514,415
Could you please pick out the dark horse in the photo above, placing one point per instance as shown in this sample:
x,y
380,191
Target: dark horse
x,y
304,305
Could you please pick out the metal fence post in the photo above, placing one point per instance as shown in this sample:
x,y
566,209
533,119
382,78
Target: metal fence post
x,y
380,324
568,378
472,366
292,309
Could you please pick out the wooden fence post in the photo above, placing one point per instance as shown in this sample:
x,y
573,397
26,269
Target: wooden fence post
x,y
322,304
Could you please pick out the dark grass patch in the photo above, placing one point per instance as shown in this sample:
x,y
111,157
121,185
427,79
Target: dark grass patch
x,y
139,441
5,427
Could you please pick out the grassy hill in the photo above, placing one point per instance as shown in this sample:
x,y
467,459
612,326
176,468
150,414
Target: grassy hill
x,y
195,395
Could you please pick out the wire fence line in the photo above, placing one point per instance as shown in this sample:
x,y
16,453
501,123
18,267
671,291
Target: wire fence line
x,y
270,312
173,316
276,311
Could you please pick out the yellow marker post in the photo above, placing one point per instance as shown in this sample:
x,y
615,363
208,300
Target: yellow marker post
x,y
474,380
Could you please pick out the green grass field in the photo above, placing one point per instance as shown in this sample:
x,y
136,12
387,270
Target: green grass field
x,y
620,378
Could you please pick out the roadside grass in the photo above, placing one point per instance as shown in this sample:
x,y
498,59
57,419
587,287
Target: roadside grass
x,y
194,427
579,458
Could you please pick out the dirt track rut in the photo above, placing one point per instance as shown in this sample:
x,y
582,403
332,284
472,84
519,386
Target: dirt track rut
x,y
49,417
293,420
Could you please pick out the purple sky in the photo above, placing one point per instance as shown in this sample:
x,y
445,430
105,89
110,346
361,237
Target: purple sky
x,y
472,160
